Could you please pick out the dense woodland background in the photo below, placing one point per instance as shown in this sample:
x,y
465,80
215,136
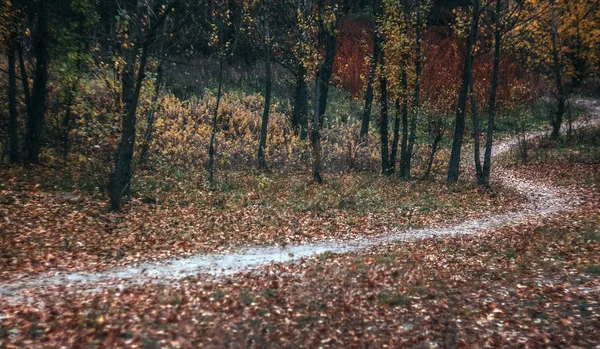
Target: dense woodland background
x,y
110,92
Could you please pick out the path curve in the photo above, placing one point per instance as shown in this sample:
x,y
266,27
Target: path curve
x,y
542,200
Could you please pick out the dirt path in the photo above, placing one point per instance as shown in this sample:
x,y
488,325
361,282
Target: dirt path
x,y
541,201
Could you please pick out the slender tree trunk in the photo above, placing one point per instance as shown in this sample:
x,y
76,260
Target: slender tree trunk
x,y
211,147
262,162
417,93
151,116
404,155
557,69
383,122
35,119
454,165
434,149
321,90
396,137
13,126
24,78
131,84
366,119
67,120
476,135
487,161
300,112
326,71
315,132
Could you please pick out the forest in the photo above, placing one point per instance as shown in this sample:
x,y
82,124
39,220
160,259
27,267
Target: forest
x,y
299,173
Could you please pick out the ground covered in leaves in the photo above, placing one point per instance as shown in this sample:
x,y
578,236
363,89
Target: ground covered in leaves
x,y
530,284
44,228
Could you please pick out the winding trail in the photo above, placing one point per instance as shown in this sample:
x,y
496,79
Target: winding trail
x,y
542,200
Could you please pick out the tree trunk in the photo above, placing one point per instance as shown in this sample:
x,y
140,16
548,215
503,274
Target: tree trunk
x,y
327,70
321,90
404,161
315,132
13,131
476,135
557,70
383,122
24,78
131,85
396,137
366,119
300,112
262,162
417,93
434,149
67,120
151,116
35,119
211,147
487,161
454,165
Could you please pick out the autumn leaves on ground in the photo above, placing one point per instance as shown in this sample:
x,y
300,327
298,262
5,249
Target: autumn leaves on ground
x,y
530,283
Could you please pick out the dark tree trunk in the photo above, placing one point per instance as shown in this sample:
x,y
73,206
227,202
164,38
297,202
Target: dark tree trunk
x,y
404,155
366,119
327,70
315,132
417,93
300,112
151,116
24,78
459,129
13,131
262,162
487,161
434,149
35,118
396,138
131,84
476,135
211,146
67,120
383,122
557,70
321,90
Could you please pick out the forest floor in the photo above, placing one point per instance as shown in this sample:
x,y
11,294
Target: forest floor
x,y
45,229
530,278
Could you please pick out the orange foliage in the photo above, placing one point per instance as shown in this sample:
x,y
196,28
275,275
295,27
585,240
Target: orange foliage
x,y
442,68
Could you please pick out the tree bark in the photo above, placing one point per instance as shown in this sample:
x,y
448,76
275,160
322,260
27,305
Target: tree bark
x,y
404,155
262,162
24,78
557,70
35,118
13,126
211,146
300,112
321,90
417,93
67,120
487,161
383,122
434,149
315,132
396,137
326,71
151,116
454,164
476,135
366,119
131,84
